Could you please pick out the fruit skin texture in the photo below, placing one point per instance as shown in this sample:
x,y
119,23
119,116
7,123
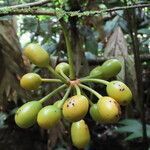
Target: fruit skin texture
x,y
109,110
80,134
96,72
48,116
75,108
94,112
64,67
58,103
120,92
30,81
37,55
110,68
26,115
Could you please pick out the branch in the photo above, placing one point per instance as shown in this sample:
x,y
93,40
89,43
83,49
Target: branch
x,y
37,11
100,59
34,4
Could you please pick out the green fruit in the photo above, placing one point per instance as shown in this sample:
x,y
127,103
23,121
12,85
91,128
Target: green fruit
x,y
80,134
30,81
62,67
37,55
109,110
75,108
120,92
94,112
97,72
48,116
58,103
26,115
110,68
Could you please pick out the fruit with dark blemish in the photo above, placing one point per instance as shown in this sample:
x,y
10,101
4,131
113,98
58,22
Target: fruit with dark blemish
x,y
26,115
80,134
30,81
109,110
120,92
48,116
75,108
36,54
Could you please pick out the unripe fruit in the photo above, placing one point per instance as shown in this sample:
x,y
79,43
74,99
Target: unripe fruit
x,y
37,55
48,116
120,92
64,67
80,134
58,103
97,72
109,110
75,108
26,115
111,68
94,112
30,81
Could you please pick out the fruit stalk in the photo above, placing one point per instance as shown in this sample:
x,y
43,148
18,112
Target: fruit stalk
x,y
91,90
64,76
56,74
77,90
95,80
50,80
65,96
69,50
47,97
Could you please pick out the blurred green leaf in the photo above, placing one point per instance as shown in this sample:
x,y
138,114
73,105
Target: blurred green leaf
x,y
3,117
144,31
133,127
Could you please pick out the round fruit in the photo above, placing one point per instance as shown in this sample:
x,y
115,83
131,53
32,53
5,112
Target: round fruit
x,y
48,116
110,68
96,72
26,115
75,108
30,81
80,134
109,110
37,55
94,112
120,92
64,67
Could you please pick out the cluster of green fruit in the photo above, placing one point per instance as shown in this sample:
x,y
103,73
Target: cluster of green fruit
x,y
72,107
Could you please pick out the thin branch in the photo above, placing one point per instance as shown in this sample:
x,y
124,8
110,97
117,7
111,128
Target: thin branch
x,y
34,4
37,11
100,59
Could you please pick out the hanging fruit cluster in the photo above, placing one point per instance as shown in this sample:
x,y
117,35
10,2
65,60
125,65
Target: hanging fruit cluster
x,y
72,107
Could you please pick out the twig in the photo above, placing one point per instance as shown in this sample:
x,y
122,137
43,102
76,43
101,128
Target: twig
x,y
100,59
34,4
37,11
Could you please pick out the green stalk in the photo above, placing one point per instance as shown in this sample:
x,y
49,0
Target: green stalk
x,y
69,50
56,74
95,80
65,97
64,76
50,80
77,90
90,90
47,97
90,102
